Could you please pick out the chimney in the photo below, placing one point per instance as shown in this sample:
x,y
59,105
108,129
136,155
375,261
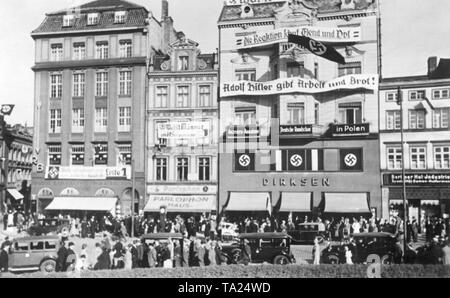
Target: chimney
x,y
164,10
432,64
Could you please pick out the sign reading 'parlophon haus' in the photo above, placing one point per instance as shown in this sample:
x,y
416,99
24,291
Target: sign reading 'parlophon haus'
x,y
297,84
181,203
323,34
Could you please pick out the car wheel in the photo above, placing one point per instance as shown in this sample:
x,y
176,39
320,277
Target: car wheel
x,y
386,260
48,266
281,260
333,259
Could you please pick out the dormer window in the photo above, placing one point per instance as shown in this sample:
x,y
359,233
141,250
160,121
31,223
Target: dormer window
x,y
183,62
119,17
92,19
68,20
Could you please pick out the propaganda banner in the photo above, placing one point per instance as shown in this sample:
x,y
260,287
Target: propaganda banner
x,y
323,34
300,85
87,173
183,130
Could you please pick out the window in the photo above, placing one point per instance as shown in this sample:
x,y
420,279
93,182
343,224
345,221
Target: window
x,y
101,82
101,154
316,113
101,120
54,155
68,20
418,157
204,99
102,50
182,96
92,19
442,157
296,113
125,49
21,246
125,82
295,69
50,245
204,168
56,52
124,156
160,141
440,118
349,68
416,94
124,119
162,94
350,113
56,86
161,169
183,62
78,85
391,96
441,93
77,155
77,120
245,116
416,119
182,168
55,121
119,17
393,121
38,245
246,75
79,51
394,155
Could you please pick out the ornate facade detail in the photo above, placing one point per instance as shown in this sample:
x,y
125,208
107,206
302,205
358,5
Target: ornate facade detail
x,y
201,64
244,59
298,11
165,66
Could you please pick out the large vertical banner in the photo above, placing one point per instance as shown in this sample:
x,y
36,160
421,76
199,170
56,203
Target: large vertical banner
x,y
244,162
351,159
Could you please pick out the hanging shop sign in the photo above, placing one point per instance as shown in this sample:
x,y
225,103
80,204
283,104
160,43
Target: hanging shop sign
x,y
296,129
87,173
344,130
297,84
183,130
182,189
324,34
243,131
419,179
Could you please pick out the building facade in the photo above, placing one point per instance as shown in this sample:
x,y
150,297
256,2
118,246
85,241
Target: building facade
x,y
90,76
287,146
426,108
182,130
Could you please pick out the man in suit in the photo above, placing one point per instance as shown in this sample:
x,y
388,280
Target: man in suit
x,y
62,256
71,259
4,257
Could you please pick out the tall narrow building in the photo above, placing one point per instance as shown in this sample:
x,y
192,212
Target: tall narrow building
x,y
90,74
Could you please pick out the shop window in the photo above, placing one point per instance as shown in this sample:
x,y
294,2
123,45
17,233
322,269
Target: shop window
x,y
442,157
101,154
350,113
124,154
54,155
418,157
77,155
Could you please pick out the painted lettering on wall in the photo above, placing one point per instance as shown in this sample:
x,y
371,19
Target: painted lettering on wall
x,y
297,182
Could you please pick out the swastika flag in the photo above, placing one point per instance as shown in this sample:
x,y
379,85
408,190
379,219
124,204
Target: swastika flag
x,y
317,48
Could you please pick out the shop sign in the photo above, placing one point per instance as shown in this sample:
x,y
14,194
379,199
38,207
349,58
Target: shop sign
x,y
324,34
297,129
183,130
420,179
181,203
341,130
241,131
87,173
242,2
298,85
297,182
182,189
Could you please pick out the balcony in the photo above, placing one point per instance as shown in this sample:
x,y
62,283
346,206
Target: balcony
x,y
300,131
350,130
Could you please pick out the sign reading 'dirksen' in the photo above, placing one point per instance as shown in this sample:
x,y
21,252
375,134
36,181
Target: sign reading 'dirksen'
x,y
350,130
241,2
87,173
182,130
297,84
296,129
418,179
297,182
323,34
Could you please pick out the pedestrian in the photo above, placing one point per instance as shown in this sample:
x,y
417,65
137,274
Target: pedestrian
x,y
4,257
103,261
84,228
348,255
246,254
20,222
446,253
118,261
212,253
316,252
152,256
123,230
84,257
10,219
93,227
128,258
177,255
186,245
62,256
414,230
166,257
140,254
5,221
71,259
200,253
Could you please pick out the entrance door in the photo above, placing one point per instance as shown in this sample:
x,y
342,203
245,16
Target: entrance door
x,y
413,212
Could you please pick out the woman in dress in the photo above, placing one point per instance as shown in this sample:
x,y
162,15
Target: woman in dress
x,y
348,255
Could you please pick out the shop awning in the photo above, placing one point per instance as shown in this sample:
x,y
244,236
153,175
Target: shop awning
x,y
396,202
295,202
346,203
15,194
430,202
83,204
181,203
249,201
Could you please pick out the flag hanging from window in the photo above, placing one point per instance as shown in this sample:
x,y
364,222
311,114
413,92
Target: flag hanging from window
x,y
317,48
7,109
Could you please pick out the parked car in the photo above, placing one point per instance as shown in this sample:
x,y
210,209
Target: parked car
x,y
274,248
305,233
367,248
49,225
34,253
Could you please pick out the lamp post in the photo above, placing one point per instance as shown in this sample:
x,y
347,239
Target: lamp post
x,y
405,226
133,190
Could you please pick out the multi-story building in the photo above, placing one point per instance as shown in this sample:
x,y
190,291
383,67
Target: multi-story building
x,y
90,75
182,130
426,109
286,145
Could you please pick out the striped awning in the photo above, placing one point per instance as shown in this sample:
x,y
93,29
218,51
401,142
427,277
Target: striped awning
x,y
295,202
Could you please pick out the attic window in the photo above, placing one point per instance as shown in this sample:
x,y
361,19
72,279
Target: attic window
x,y
68,20
119,17
92,19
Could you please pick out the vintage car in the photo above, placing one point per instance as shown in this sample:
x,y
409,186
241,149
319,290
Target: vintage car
x,y
305,233
33,254
274,248
49,226
366,248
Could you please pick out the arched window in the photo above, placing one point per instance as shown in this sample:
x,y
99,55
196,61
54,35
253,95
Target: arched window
x,y
45,193
70,191
105,192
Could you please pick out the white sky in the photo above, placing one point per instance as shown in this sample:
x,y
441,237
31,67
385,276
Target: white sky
x,y
412,30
